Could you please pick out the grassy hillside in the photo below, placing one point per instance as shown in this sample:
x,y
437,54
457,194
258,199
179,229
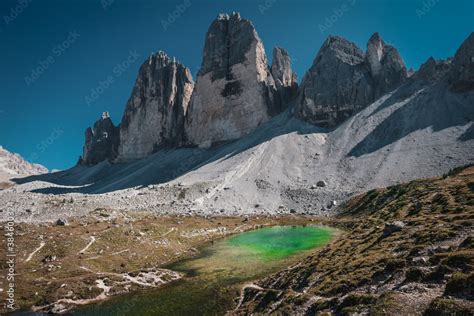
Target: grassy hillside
x,y
407,250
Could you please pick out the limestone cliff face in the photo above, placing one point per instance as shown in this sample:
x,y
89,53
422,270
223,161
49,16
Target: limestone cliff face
x,y
101,141
235,91
461,76
283,75
155,113
343,79
387,68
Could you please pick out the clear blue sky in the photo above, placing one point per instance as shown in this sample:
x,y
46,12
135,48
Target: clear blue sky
x,y
74,45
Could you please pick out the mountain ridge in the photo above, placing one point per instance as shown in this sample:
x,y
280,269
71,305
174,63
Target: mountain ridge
x,y
223,106
13,165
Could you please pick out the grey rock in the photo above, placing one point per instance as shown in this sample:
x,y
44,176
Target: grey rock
x,y
155,113
321,184
336,85
343,80
331,204
61,222
391,228
285,79
235,91
461,75
101,141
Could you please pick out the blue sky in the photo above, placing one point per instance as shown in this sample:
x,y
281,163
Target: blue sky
x,y
64,62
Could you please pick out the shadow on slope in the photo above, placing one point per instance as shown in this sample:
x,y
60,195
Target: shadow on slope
x,y
163,166
433,107
468,134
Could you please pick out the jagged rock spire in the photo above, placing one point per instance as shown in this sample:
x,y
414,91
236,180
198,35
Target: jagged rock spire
x,y
101,141
154,114
235,91
387,68
285,78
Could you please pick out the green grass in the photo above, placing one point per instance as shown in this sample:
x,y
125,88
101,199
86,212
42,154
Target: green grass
x,y
282,241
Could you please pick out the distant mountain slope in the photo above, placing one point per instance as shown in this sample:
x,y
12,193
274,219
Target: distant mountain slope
x,y
13,166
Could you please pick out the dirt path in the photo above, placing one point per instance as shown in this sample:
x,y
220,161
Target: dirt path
x,y
35,251
88,245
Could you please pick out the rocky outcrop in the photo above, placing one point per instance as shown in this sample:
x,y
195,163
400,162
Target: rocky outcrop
x,y
387,68
337,84
433,70
101,141
234,91
284,77
343,79
461,75
155,113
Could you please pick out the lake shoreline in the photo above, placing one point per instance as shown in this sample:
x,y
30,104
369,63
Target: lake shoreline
x,y
72,275
213,279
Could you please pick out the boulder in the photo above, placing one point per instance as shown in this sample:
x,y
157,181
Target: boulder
x,y
61,222
393,227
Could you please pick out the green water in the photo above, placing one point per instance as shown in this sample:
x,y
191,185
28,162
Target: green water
x,y
211,279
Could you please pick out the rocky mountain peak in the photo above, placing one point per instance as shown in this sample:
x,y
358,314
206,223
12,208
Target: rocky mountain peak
x,y
283,75
341,49
226,16
105,115
228,38
235,91
281,67
337,84
343,79
432,70
387,67
375,52
13,165
101,141
461,76
154,114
